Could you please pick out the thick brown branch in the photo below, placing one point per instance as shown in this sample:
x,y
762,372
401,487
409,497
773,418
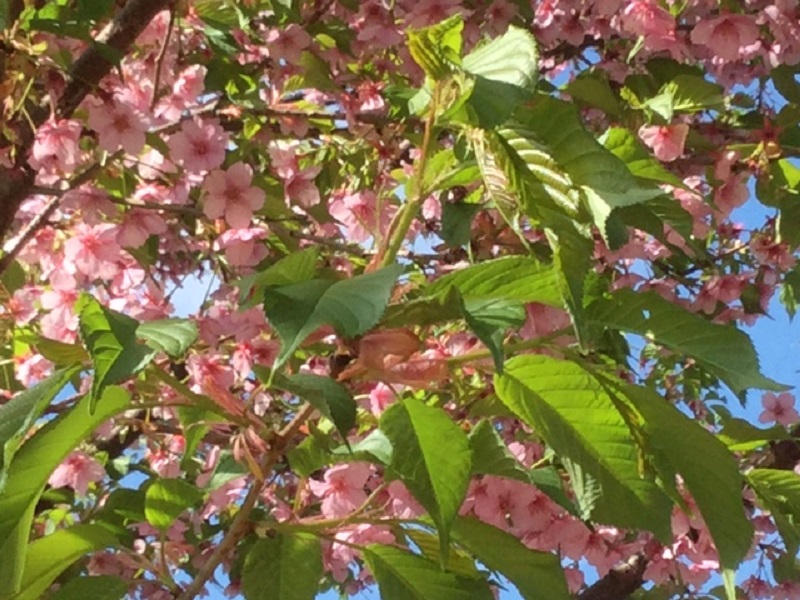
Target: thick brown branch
x,y
94,63
16,182
620,582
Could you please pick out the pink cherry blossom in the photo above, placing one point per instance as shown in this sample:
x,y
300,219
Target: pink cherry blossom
x,y
299,187
94,250
56,145
77,471
243,247
666,141
342,489
779,408
199,146
287,44
117,126
138,226
230,193
726,35
357,212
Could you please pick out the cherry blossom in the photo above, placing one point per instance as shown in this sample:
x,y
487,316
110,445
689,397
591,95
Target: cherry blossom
x,y
77,471
229,193
779,408
199,145
666,141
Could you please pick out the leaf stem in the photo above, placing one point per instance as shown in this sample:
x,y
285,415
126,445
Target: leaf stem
x,y
402,222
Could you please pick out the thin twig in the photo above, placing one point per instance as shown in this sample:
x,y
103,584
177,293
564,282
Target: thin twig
x,y
162,53
241,522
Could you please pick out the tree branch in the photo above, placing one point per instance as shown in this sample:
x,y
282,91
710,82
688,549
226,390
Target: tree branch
x,y
620,582
241,522
16,182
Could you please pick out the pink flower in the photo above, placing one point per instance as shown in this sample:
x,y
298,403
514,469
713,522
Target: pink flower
x,y
288,43
229,193
342,489
779,408
357,213
93,250
298,183
77,471
117,126
243,247
56,144
199,145
731,194
647,18
138,226
666,141
727,35
380,398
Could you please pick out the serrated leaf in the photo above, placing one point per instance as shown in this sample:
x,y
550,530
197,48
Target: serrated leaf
x,y
52,554
351,306
574,414
110,338
721,349
694,93
506,70
490,456
537,575
519,278
401,575
433,460
626,146
592,88
428,543
100,587
779,492
30,470
714,482
437,49
283,567
166,499
172,336
490,319
18,415
328,396
294,268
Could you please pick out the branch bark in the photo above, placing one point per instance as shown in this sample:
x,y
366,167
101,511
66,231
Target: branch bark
x,y
17,182
620,582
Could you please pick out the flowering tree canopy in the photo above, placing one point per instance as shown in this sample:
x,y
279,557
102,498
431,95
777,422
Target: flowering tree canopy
x,y
472,309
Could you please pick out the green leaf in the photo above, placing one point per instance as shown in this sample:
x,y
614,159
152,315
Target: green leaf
x,y
626,146
490,456
575,415
352,306
58,352
714,482
437,49
460,563
101,587
592,88
694,93
297,267
742,436
166,499
490,319
172,336
39,456
402,575
721,349
328,396
110,338
779,492
433,460
283,567
572,261
457,222
18,415
783,77
519,278
52,554
537,575
506,70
